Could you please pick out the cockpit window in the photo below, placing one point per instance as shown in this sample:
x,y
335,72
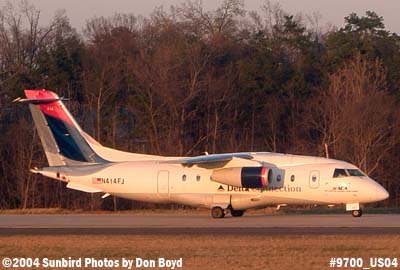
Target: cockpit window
x,y
347,172
339,173
355,172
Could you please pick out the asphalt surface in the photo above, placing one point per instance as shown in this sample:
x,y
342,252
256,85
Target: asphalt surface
x,y
197,224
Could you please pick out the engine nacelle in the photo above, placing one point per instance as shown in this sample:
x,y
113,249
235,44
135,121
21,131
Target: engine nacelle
x,y
247,177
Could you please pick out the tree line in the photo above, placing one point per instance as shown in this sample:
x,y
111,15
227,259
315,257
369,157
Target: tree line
x,y
185,80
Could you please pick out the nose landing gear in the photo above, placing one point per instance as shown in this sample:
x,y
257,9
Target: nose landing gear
x,y
357,213
355,209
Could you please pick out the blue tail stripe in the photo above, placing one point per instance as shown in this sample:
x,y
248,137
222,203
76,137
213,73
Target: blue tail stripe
x,y
71,144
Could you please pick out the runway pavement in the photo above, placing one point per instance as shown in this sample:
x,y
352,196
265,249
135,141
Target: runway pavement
x,y
174,224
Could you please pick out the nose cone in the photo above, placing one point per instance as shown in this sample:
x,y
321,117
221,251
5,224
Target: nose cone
x,y
381,193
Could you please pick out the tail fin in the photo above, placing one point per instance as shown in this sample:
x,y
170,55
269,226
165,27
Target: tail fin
x,y
59,133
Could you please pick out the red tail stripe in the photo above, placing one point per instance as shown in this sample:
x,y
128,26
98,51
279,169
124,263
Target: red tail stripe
x,y
53,109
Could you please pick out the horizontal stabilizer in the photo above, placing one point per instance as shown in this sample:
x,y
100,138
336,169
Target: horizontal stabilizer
x,y
38,100
83,188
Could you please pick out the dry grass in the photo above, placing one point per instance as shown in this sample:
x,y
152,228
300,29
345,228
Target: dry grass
x,y
208,252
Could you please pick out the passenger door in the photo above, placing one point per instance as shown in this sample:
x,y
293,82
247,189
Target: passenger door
x,y
163,184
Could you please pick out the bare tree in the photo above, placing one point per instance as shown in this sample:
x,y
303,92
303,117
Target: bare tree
x,y
22,37
106,61
356,116
212,24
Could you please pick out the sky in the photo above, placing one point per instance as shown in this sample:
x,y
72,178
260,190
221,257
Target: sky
x,y
331,11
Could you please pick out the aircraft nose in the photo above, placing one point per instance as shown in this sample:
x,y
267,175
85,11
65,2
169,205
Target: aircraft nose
x,y
381,193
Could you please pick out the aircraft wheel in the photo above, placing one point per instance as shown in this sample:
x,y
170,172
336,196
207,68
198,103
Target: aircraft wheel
x,y
217,212
237,213
357,213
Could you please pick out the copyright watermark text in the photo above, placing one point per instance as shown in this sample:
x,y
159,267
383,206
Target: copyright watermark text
x,y
365,264
69,262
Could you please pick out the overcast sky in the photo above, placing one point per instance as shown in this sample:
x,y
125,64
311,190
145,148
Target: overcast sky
x,y
332,11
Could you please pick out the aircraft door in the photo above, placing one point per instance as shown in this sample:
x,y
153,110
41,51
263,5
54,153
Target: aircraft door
x,y
314,179
163,184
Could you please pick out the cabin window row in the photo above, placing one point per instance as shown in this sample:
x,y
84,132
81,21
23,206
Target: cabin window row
x,y
278,178
184,178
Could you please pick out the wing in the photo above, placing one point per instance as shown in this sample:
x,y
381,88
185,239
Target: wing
x,y
214,160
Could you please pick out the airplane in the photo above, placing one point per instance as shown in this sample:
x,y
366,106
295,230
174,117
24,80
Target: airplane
x,y
225,183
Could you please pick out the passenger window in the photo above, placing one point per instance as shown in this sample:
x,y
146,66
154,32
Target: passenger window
x,y
198,178
278,178
184,177
339,173
292,178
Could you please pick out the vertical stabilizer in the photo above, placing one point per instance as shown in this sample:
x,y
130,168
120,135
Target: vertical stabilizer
x,y
59,133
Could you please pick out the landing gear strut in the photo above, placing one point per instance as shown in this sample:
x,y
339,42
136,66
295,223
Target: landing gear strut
x,y
357,213
217,212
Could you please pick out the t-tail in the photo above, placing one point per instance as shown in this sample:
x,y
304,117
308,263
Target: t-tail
x,y
63,140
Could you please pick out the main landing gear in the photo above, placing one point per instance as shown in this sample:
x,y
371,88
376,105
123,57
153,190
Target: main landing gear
x,y
219,212
237,213
357,213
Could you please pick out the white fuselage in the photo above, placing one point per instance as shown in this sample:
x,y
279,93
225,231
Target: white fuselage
x,y
229,181
295,180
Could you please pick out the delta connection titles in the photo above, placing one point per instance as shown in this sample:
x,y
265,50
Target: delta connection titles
x,y
106,263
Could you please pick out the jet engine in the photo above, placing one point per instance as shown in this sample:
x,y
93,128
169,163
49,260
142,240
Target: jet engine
x,y
246,177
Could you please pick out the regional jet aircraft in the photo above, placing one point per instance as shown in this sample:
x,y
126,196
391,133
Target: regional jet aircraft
x,y
225,183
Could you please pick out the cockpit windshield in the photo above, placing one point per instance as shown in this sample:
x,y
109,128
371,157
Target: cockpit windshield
x,y
355,172
338,173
